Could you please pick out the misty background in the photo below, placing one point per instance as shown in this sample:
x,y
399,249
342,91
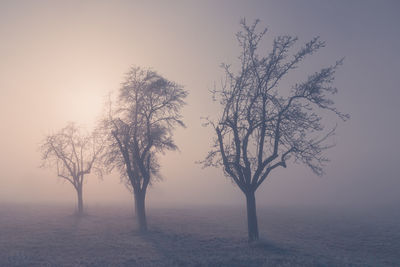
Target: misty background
x,y
59,60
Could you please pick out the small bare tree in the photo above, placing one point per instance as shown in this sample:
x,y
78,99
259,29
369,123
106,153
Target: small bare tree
x,y
73,155
263,125
139,127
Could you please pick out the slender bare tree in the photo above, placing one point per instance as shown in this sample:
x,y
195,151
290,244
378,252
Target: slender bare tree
x,y
139,127
73,155
263,125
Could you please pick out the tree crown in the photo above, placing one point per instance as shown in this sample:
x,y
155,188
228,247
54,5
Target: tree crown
x,y
72,152
261,127
142,122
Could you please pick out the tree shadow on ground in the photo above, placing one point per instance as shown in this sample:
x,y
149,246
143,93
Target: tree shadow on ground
x,y
183,249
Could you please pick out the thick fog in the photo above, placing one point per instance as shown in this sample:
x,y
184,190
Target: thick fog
x,y
59,60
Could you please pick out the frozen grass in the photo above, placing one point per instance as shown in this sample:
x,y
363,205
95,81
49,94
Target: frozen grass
x,y
51,236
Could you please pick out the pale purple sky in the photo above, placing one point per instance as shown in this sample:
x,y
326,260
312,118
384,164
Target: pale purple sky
x,y
60,58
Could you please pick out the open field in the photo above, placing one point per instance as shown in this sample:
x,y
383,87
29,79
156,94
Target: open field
x,y
214,236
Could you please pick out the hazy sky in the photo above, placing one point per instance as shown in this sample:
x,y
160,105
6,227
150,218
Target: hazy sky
x,y
58,60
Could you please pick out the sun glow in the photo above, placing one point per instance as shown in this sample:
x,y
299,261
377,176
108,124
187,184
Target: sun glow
x,y
84,105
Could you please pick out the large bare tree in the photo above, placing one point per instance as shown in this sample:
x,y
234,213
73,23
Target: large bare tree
x,y
72,154
262,124
139,127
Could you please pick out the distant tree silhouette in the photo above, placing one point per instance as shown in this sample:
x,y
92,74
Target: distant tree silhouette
x,y
73,154
139,127
263,125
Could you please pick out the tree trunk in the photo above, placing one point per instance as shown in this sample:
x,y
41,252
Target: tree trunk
x,y
252,216
140,210
80,200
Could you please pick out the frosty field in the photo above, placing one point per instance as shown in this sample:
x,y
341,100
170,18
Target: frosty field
x,y
198,236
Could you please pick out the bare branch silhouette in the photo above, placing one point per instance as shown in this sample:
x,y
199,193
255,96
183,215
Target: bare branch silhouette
x,y
139,127
73,155
262,126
